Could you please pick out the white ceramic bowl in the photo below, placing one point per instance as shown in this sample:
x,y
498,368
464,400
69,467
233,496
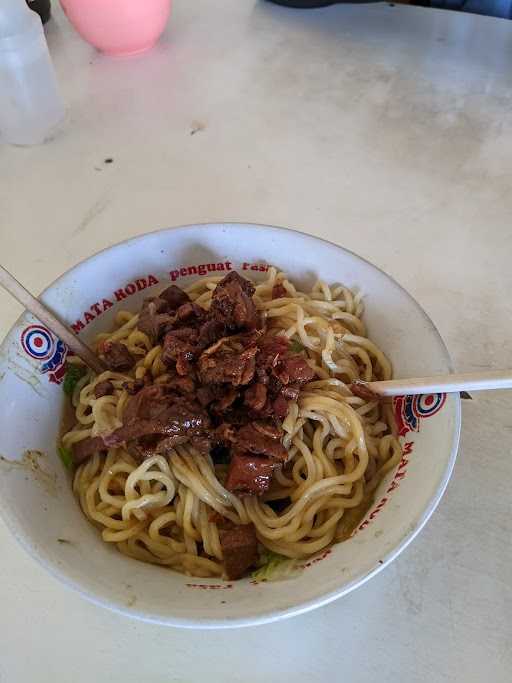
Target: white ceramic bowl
x,y
35,494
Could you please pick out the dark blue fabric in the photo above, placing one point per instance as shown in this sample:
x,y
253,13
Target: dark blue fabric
x,y
492,8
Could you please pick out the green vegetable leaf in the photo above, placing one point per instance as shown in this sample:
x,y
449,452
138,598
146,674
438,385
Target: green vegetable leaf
x,y
275,567
296,347
73,374
66,457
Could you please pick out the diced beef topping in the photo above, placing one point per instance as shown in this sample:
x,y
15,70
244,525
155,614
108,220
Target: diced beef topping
x,y
207,394
155,413
154,318
174,297
278,291
144,404
263,440
249,474
144,447
182,385
180,348
159,314
232,303
295,369
258,450
170,414
239,549
225,400
84,449
290,393
211,331
281,373
178,423
267,429
203,443
275,386
280,407
224,365
190,312
133,387
261,374
117,356
225,433
272,349
256,396
105,388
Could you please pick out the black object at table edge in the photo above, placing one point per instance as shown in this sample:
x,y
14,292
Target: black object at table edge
x,y
41,7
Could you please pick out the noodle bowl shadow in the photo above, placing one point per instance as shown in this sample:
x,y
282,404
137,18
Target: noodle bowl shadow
x,y
36,500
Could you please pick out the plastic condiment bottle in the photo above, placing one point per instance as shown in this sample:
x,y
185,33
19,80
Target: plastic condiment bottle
x,y
31,106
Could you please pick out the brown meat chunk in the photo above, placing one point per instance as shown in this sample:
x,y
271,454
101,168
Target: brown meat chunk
x,y
261,440
146,403
280,407
207,394
134,387
154,318
178,424
82,450
226,366
225,401
105,388
202,443
239,549
174,297
268,429
272,350
154,404
190,313
166,445
278,291
210,332
180,348
261,373
225,433
275,385
256,396
182,385
232,303
154,413
296,370
249,474
117,356
290,393
143,448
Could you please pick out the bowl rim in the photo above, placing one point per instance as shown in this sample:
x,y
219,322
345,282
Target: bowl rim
x,y
301,607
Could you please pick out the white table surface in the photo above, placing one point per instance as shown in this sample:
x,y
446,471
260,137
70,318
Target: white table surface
x,y
385,129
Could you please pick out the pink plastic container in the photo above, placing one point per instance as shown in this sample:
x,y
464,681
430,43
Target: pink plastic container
x,y
119,27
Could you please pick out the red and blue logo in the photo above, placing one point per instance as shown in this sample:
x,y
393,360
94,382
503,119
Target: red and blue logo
x,y
409,410
41,345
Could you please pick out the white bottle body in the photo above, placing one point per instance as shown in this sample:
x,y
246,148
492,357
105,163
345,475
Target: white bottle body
x,y
31,106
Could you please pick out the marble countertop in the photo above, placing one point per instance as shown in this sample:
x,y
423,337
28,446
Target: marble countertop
x,y
384,128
